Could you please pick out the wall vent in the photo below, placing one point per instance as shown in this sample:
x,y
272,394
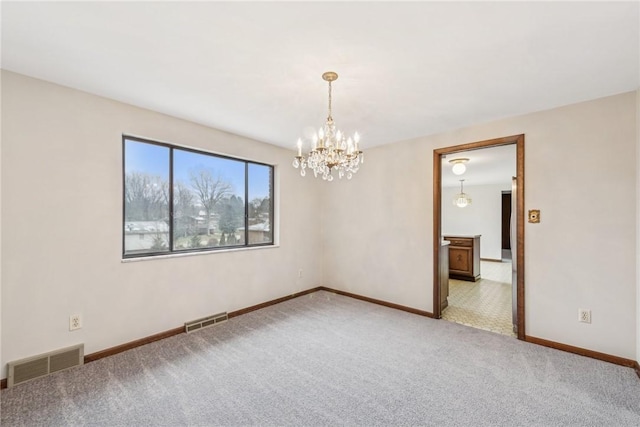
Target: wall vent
x,y
205,322
21,371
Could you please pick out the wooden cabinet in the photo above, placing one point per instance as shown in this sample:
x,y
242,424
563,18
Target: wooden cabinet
x,y
464,257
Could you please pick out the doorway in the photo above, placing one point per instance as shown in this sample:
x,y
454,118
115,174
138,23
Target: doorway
x,y
517,248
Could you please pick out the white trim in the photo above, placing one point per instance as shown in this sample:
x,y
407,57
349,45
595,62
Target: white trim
x,y
180,255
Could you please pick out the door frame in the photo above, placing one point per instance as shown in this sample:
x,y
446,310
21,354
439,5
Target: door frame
x,y
518,140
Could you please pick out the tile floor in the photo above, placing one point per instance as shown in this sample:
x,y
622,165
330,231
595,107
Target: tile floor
x,y
485,304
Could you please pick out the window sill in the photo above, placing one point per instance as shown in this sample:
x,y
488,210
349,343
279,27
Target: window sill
x,y
201,253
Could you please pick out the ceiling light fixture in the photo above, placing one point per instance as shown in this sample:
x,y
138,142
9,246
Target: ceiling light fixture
x,y
461,199
458,166
330,148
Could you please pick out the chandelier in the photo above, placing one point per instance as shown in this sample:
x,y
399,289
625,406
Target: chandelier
x,y
330,148
461,199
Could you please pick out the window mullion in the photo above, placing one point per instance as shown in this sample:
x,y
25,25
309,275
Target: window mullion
x,y
171,199
246,204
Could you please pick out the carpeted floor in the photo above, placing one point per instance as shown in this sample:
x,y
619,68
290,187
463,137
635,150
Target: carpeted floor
x,y
325,359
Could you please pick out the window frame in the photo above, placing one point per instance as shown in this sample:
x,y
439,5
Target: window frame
x,y
171,251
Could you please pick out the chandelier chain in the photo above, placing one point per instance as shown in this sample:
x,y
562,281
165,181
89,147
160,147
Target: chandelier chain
x,y
329,116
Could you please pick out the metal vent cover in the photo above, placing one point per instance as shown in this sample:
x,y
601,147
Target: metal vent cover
x,y
23,370
205,322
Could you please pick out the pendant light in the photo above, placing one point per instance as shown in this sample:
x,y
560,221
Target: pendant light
x,y
461,199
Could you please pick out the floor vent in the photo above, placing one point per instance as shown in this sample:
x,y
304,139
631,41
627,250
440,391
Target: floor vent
x,y
21,371
205,322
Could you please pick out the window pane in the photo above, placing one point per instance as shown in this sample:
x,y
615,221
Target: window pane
x,y
260,207
146,198
208,201
213,200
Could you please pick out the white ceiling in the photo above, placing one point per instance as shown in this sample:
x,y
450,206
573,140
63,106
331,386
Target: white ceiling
x,y
406,69
494,165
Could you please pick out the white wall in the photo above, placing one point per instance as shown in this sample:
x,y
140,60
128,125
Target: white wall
x,y
378,227
1,376
638,225
62,148
580,169
62,221
483,216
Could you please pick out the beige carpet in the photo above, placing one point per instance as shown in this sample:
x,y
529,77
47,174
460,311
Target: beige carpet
x,y
485,304
330,360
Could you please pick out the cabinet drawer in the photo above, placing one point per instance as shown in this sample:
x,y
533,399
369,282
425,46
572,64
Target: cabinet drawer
x,y
460,242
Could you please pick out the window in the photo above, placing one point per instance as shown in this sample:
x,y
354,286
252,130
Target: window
x,y
181,200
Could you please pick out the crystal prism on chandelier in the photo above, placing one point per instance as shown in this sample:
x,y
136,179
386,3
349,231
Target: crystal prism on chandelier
x,y
330,148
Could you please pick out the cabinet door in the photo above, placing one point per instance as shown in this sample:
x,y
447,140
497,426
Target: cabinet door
x,y
461,260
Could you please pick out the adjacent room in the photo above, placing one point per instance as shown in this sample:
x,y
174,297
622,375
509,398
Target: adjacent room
x,y
478,229
319,213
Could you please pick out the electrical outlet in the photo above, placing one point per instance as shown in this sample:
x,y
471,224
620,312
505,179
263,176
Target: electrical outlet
x,y
300,273
75,322
584,315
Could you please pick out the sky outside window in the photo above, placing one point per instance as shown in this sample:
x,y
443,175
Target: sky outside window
x,y
154,160
148,158
227,170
